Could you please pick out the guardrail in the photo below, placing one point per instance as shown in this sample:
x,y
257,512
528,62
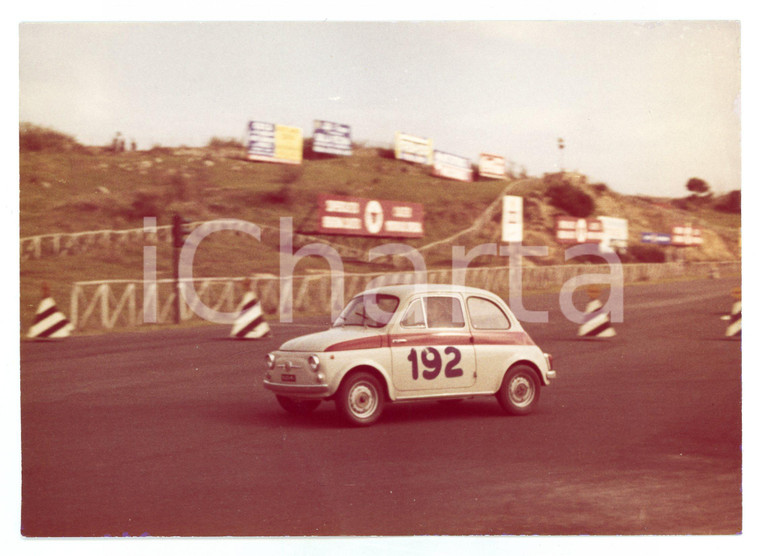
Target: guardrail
x,y
47,245
60,244
113,304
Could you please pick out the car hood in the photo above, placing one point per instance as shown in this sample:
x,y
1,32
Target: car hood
x,y
338,339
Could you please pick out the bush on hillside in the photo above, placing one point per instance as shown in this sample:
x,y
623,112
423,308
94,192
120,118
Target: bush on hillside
x,y
647,253
731,203
225,143
156,150
34,138
145,204
571,199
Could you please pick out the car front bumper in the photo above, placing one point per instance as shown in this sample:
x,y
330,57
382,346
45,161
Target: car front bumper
x,y
310,390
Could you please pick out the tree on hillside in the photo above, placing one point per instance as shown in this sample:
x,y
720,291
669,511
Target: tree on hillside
x,y
696,185
571,199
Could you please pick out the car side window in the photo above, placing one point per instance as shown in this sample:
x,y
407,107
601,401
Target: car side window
x,y
414,317
444,312
486,315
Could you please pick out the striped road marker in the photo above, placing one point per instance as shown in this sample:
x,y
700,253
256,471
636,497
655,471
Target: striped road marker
x,y
735,321
250,324
734,329
49,322
596,324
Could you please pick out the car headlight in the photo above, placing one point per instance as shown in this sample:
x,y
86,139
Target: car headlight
x,y
549,361
314,363
270,360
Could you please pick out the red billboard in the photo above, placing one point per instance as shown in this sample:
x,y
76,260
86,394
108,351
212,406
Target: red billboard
x,y
357,216
569,229
685,236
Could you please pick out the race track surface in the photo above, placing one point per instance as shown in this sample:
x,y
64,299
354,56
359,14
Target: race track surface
x,y
171,433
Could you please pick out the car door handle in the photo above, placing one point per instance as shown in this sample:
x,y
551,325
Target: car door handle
x,y
399,340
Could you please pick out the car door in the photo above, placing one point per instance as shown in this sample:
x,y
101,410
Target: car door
x,y
431,347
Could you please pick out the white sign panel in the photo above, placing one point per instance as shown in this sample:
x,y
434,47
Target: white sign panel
x,y
451,166
512,219
614,234
332,138
492,166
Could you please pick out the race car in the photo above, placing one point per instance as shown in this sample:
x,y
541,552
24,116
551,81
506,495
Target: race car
x,y
411,342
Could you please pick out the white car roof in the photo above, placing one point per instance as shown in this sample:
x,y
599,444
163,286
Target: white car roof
x,y
404,290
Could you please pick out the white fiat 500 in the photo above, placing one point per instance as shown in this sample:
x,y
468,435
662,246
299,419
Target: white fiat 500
x,y
411,342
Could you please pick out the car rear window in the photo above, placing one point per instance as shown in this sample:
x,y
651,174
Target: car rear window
x,y
486,315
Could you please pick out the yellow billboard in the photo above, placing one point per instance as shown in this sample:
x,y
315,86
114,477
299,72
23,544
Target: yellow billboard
x,y
288,144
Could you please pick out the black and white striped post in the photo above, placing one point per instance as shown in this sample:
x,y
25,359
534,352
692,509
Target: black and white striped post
x,y
250,323
734,329
49,321
596,322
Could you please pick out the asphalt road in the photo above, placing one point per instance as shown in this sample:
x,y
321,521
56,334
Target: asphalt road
x,y
171,433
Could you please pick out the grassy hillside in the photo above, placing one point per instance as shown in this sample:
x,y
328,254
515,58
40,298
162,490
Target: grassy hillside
x,y
74,188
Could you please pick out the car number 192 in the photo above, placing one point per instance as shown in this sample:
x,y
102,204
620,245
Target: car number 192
x,y
432,361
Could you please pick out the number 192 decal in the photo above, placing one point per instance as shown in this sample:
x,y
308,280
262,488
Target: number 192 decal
x,y
432,361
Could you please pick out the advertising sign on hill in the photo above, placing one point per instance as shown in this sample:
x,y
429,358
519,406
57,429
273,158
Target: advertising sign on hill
x,y
275,143
492,166
332,138
572,230
614,234
685,236
451,166
413,149
356,216
655,237
512,219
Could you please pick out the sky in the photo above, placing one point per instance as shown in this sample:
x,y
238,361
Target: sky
x,y
640,106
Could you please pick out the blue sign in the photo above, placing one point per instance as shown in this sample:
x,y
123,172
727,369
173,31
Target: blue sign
x,y
332,138
654,237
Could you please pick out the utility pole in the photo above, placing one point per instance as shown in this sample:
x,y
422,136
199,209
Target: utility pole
x,y
179,233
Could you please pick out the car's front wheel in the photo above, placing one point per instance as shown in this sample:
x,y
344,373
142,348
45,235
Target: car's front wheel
x,y
360,399
519,390
296,406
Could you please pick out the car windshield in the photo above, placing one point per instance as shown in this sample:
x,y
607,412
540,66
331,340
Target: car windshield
x,y
372,310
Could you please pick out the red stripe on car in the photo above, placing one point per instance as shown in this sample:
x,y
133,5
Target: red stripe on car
x,y
370,342
495,338
425,339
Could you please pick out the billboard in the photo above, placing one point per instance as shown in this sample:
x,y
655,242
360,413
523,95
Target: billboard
x,y
686,236
614,234
569,229
331,138
512,219
357,216
492,166
413,149
451,166
274,143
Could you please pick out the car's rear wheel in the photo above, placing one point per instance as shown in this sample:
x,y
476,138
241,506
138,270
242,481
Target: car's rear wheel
x,y
296,406
360,399
519,390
